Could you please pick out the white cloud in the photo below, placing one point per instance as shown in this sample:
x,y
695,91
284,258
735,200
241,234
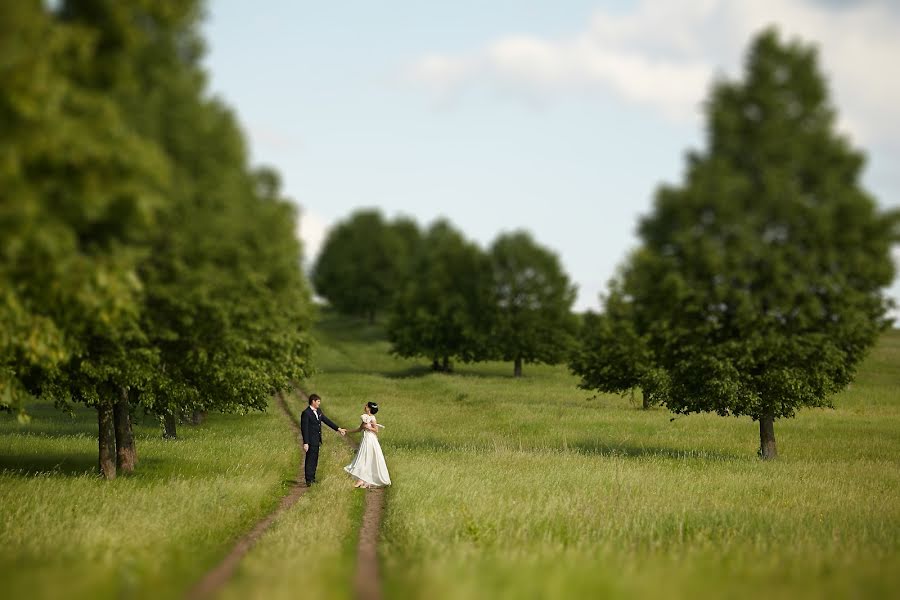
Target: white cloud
x,y
312,231
663,55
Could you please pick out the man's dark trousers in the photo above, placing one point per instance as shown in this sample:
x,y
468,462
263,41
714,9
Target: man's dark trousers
x,y
312,462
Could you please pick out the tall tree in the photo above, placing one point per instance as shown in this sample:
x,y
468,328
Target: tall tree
x,y
444,311
532,316
81,191
145,261
363,262
759,282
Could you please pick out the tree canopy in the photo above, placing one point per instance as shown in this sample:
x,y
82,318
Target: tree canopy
x,y
758,285
532,303
363,261
143,261
441,313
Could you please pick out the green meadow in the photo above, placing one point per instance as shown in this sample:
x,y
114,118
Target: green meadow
x,y
503,488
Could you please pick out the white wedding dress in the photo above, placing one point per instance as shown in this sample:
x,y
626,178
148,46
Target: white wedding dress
x,y
368,465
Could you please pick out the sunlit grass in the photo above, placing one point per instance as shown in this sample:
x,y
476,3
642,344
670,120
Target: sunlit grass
x,y
533,488
310,551
503,488
66,533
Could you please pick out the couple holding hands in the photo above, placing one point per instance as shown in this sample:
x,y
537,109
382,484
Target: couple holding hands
x,y
367,468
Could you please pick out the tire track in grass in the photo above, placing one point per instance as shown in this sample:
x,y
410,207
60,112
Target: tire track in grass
x,y
367,579
367,582
216,577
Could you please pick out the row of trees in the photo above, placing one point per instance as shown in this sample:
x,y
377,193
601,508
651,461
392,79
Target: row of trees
x,y
143,263
446,298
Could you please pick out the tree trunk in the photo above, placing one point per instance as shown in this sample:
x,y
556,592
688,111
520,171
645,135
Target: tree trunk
x,y
169,431
646,400
197,417
517,367
435,365
126,455
767,449
446,367
107,437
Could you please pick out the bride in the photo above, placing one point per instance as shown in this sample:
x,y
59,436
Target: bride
x,y
368,466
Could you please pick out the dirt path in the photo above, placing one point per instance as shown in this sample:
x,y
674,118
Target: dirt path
x,y
367,581
216,577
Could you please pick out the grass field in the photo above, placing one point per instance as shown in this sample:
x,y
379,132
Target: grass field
x,y
503,487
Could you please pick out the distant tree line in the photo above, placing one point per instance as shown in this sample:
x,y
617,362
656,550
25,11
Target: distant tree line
x,y
444,298
143,263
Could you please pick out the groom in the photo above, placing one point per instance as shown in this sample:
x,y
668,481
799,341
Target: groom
x,y
311,429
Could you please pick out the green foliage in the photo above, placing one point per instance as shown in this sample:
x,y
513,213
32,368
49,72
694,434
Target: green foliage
x,y
440,313
758,285
140,253
532,296
364,261
610,355
80,192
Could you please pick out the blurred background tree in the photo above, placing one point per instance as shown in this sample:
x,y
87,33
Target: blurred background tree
x,y
444,311
610,355
363,261
143,260
758,286
532,303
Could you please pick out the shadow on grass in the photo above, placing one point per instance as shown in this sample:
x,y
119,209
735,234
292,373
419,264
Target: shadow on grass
x,y
632,451
592,448
61,464
417,372
458,372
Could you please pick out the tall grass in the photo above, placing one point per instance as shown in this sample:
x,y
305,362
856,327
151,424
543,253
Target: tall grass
x,y
503,488
66,533
532,488
310,550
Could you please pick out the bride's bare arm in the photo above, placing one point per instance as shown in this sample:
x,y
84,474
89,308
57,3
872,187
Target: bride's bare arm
x,y
364,425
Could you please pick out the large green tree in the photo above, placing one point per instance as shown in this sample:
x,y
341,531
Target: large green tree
x,y
225,303
532,311
80,194
759,283
363,262
444,311
143,261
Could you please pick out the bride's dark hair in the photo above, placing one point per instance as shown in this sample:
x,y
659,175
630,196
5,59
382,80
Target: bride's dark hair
x,y
373,408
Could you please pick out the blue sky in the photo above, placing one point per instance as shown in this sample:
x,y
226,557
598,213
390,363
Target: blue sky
x,y
560,118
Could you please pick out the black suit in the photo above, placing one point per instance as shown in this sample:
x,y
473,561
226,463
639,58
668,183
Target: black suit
x,y
311,430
